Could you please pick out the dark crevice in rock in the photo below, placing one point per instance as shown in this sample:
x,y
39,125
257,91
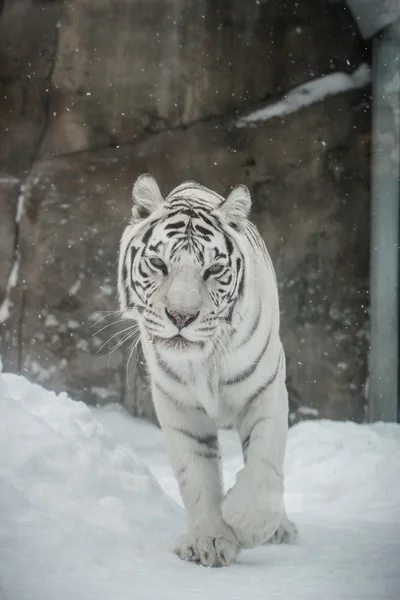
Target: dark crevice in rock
x,y
20,200
228,117
19,331
22,197
48,100
150,132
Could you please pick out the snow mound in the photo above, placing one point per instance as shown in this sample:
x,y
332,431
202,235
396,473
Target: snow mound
x,y
338,467
67,489
84,513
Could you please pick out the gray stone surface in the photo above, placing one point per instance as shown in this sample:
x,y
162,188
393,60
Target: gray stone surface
x,y
130,68
28,49
310,203
9,187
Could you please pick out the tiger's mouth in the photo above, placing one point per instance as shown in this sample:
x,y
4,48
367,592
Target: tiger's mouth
x,y
177,342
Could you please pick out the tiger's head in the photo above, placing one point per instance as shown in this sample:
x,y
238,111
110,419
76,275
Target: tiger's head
x,y
181,267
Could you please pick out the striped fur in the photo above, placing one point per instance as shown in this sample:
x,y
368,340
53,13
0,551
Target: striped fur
x,y
195,274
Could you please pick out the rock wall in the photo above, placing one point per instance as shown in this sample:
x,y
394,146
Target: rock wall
x,y
97,92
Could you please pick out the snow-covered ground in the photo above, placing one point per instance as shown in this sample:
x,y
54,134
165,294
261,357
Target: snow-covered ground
x,y
89,510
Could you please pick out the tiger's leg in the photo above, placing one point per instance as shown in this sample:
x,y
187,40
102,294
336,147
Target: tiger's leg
x,y
192,446
254,506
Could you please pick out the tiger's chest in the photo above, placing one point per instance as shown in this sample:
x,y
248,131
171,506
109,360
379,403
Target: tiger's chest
x,y
207,384
220,406
202,387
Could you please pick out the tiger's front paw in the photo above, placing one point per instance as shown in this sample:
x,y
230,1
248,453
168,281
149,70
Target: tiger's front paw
x,y
207,550
252,511
287,533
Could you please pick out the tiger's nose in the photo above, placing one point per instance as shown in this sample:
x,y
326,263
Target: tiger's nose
x,y
179,319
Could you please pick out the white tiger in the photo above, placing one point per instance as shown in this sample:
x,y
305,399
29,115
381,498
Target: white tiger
x,y
196,276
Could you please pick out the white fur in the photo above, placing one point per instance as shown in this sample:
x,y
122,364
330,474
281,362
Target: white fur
x,y
236,207
146,196
192,405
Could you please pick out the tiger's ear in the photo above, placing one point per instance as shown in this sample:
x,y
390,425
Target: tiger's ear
x,y
236,207
146,196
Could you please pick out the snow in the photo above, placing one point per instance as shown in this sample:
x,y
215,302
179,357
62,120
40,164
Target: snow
x,y
5,306
309,93
90,509
74,289
20,204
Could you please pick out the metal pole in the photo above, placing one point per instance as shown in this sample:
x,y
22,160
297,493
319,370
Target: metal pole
x,y
385,224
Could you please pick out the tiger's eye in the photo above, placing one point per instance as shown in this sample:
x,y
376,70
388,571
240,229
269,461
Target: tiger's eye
x,y
213,270
158,263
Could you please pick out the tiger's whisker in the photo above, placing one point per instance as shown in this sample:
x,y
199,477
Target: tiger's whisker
x,y
109,325
105,316
115,334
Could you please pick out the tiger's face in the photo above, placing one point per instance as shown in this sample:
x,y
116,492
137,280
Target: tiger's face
x,y
181,269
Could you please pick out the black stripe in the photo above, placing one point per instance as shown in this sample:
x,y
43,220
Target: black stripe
x,y
191,212
175,225
166,394
125,285
233,293
152,322
143,273
167,370
211,441
133,254
174,233
229,245
255,237
124,271
250,370
253,328
246,440
245,444
176,211
207,454
134,283
173,400
194,210
241,281
194,202
263,387
179,245
218,254
203,230
155,247
209,220
148,233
